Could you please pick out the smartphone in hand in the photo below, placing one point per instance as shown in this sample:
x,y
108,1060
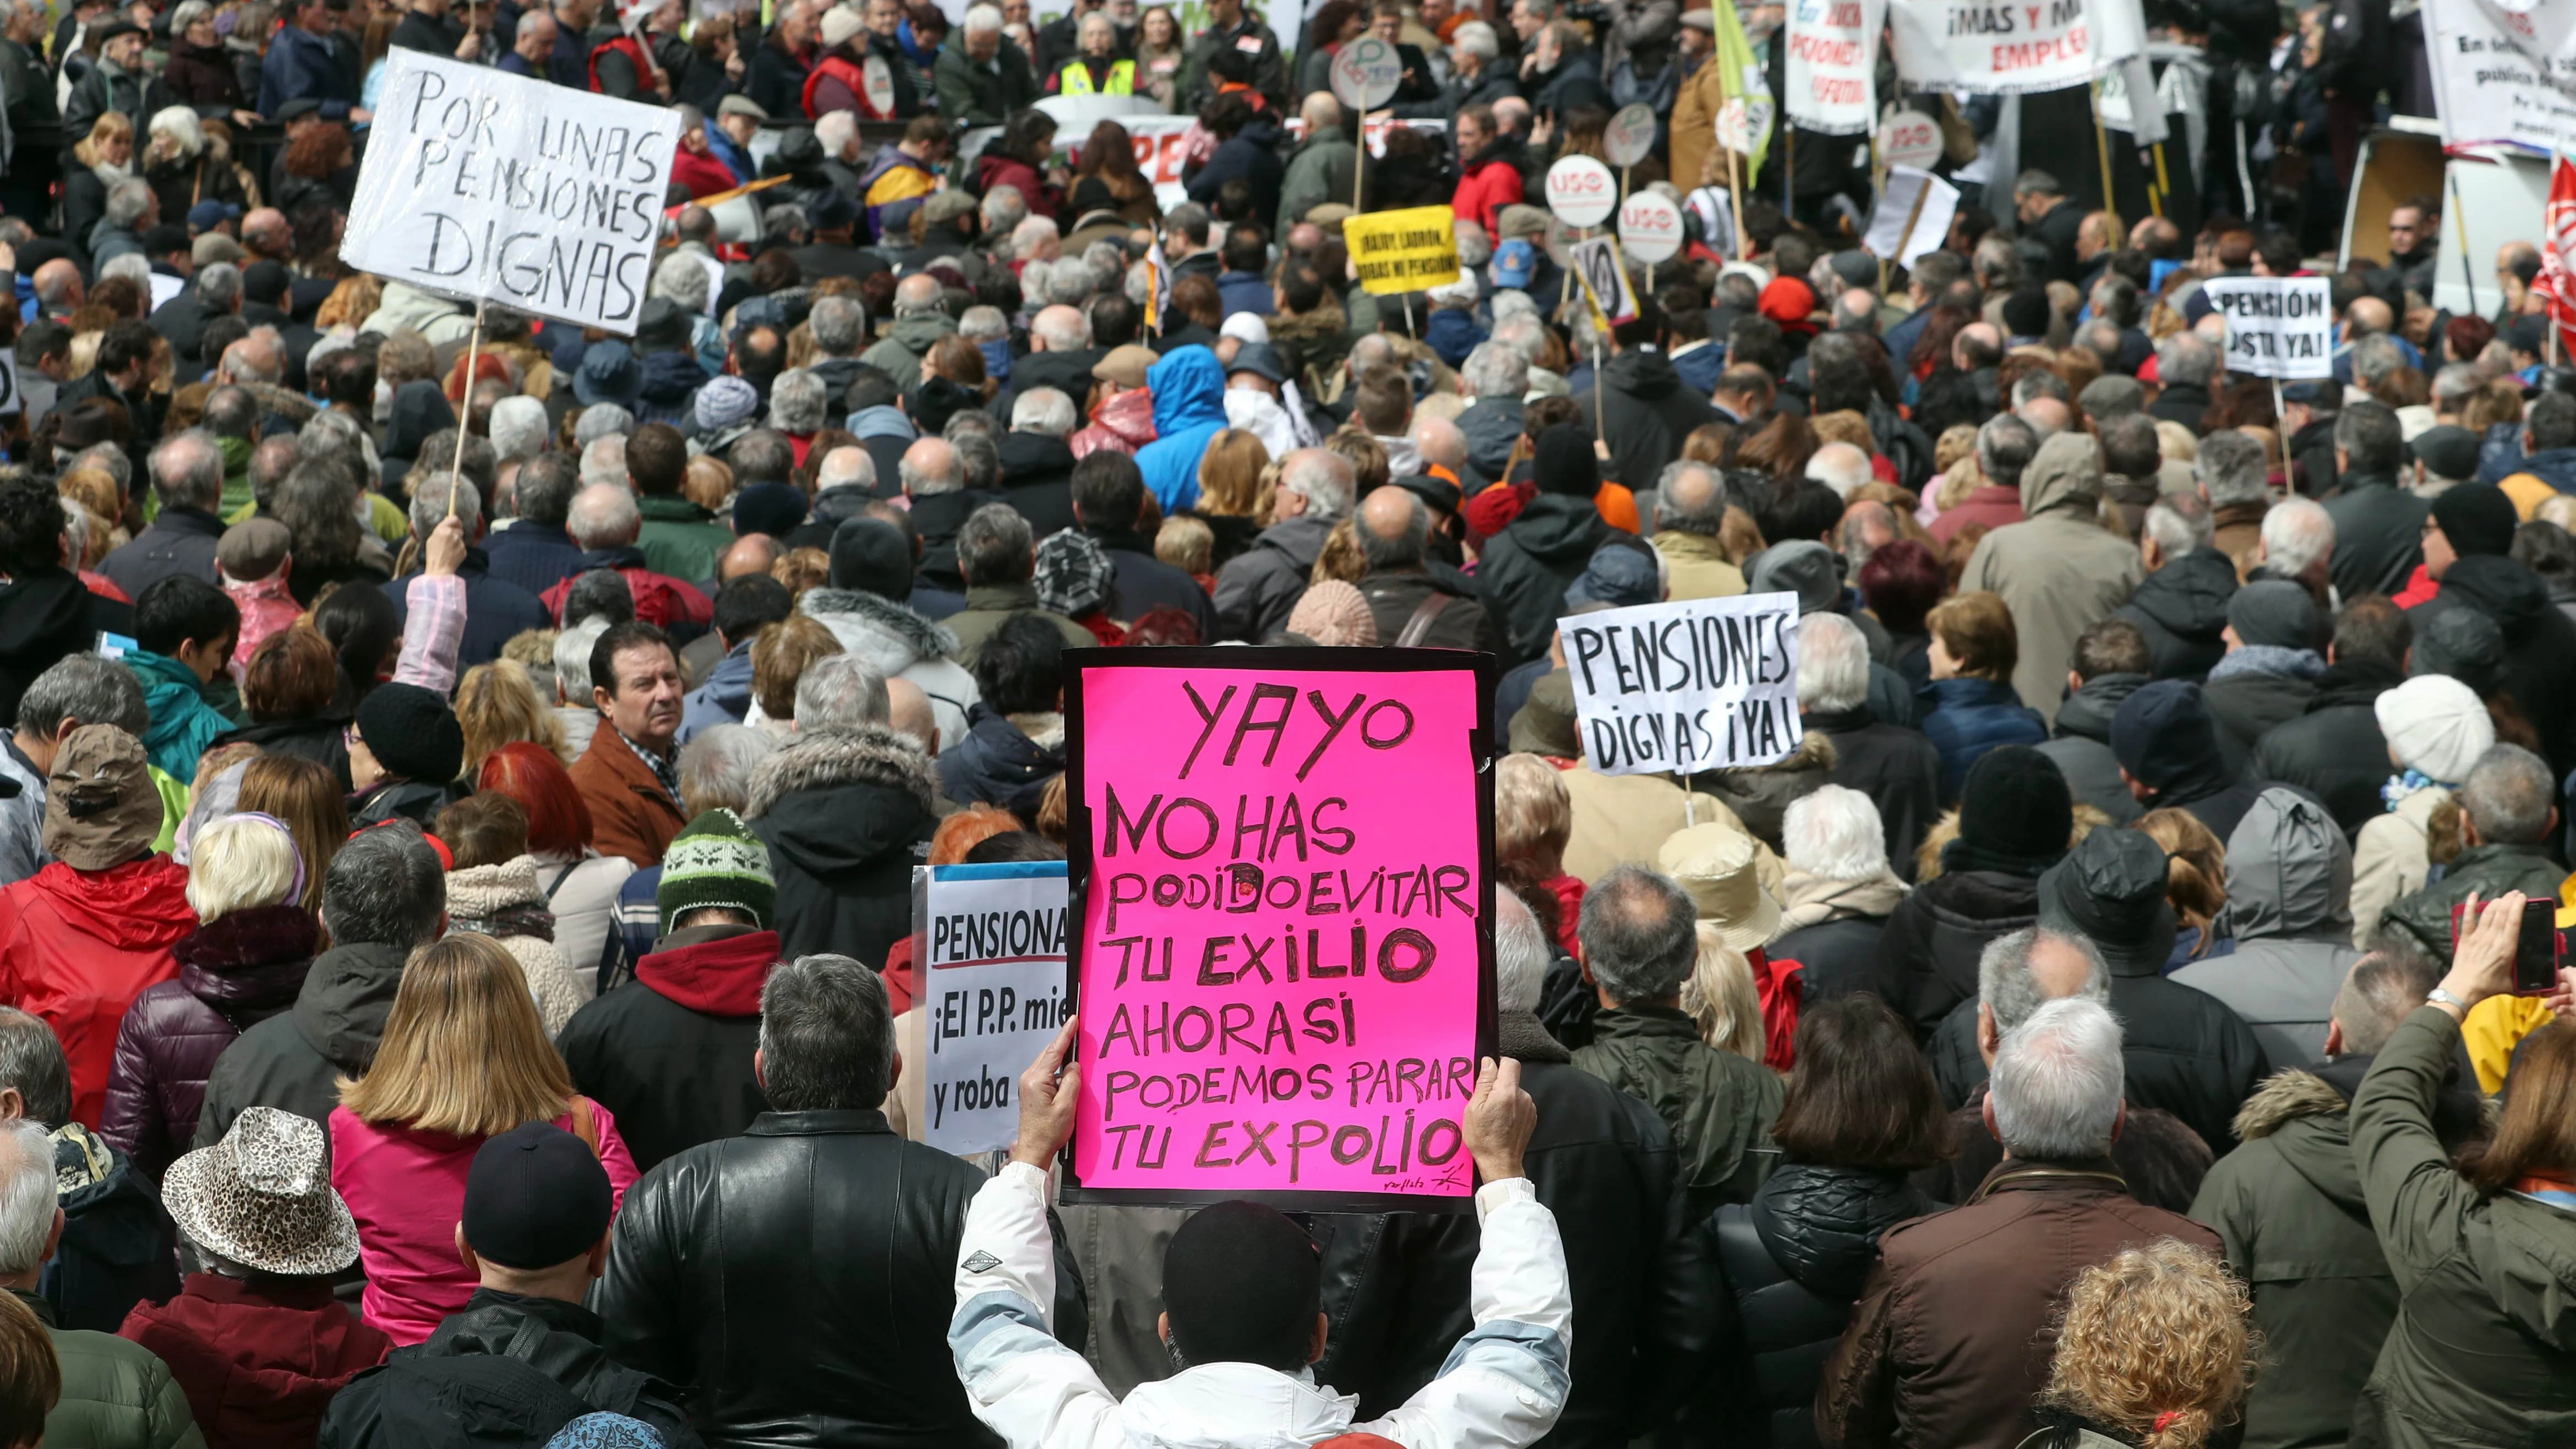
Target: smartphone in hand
x,y
2536,949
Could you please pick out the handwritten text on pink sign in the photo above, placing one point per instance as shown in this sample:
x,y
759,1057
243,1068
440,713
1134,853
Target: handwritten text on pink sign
x,y
1280,979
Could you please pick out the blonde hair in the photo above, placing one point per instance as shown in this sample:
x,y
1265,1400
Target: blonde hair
x,y
707,482
1846,426
464,1052
1721,997
1186,543
1230,473
780,653
351,303
2157,1345
108,126
2195,867
497,704
1533,814
237,863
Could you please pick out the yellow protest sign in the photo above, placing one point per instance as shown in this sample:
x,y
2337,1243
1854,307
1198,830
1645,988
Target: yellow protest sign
x,y
1412,250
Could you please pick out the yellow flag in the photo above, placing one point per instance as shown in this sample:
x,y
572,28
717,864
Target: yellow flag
x,y
1744,121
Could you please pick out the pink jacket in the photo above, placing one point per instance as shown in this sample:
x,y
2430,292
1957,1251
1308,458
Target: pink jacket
x,y
406,1189
266,607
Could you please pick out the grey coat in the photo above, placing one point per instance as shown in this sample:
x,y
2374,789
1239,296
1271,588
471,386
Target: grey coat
x,y
2289,874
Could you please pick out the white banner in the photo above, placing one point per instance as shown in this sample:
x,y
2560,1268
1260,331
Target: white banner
x,y
1161,141
1703,684
2490,85
1833,65
483,184
2276,326
1913,215
988,957
2013,48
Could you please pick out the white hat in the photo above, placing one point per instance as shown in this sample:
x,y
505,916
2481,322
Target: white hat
x,y
2436,726
1246,326
840,23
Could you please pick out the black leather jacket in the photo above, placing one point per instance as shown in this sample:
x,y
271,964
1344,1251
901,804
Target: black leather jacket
x,y
1395,1284
470,1383
797,1283
1793,1261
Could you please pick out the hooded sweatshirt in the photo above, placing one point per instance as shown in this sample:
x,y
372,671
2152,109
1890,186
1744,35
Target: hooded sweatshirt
x,y
2081,745
76,949
902,645
2289,876
2058,570
1189,410
266,608
724,699
670,1051
1123,424
294,1062
2181,608
846,814
183,724
1645,414
905,344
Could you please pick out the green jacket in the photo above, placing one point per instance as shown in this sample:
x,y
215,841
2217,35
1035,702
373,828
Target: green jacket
x,y
909,340
983,95
2483,1352
2288,1203
183,724
116,1394
1719,1105
2489,870
987,605
680,538
1321,170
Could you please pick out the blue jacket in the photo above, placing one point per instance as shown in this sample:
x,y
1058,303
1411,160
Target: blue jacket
x,y
1244,292
1452,334
496,610
532,555
2553,466
1699,368
1189,410
735,159
301,65
183,724
724,699
1967,717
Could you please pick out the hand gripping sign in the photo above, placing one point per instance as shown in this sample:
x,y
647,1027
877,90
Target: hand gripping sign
x,y
486,185
1282,864
988,953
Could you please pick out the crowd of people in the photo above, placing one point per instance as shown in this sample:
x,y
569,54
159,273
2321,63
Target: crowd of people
x,y
464,779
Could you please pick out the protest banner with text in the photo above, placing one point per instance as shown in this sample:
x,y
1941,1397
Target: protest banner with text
x,y
2504,75
1697,684
2011,46
1412,250
988,952
2276,326
1282,860
480,184
1833,65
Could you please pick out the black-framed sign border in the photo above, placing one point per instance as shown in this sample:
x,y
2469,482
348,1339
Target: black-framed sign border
x,y
1482,746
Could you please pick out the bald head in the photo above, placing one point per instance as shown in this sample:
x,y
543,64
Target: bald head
x,y
1320,111
1059,329
1394,528
2368,315
1856,308
1692,499
908,713
1305,236
58,285
917,293
266,233
2047,416
753,553
930,467
1979,344
1440,442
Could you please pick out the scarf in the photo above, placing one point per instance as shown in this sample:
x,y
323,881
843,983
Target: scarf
x,y
2399,786
1812,900
2270,659
2556,1189
1959,855
526,919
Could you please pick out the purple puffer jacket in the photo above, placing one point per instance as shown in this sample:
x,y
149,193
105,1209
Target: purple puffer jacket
x,y
235,972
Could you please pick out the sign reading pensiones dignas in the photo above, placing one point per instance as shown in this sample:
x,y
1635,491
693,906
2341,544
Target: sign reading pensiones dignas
x,y
1697,684
483,184
988,952
1283,864
2279,327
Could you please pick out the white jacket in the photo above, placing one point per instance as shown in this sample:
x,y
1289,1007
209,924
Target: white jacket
x,y
1502,1387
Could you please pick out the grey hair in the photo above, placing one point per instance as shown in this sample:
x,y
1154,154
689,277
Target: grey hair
x,y
126,203
247,359
836,130
1070,282
982,20
921,482
601,420
220,284
983,324
717,763
979,458
1521,954
2057,1082
1030,231
1042,410
1004,208
1833,663
1140,282
2368,432
796,401
2009,989
1834,833
1475,248
2375,356
1405,550
2380,990
519,430
2297,533
2005,446
429,503
826,1037
993,546
572,659
27,1202
2454,384
32,1063
603,461
1478,39
188,471
1497,369
681,279
384,888
2231,466
1702,519
2186,358
1106,259
1640,934
2509,794
133,266
75,529
1060,334
2179,523
1325,480
603,515
841,692
858,470
839,323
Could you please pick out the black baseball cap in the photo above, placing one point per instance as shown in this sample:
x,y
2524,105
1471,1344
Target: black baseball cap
x,y
535,1197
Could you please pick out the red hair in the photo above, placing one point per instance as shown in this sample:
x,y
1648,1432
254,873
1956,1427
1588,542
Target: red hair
x,y
558,821
487,367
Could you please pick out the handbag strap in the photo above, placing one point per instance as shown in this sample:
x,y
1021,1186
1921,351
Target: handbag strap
x,y
1424,614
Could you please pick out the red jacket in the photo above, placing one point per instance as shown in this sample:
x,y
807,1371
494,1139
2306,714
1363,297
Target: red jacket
x,y
1485,187
994,169
703,174
76,948
660,600
258,1362
1991,504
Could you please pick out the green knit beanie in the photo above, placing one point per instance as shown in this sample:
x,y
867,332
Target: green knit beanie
x,y
716,861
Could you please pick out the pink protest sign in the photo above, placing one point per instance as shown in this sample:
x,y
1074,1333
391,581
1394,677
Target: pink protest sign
x,y
1283,859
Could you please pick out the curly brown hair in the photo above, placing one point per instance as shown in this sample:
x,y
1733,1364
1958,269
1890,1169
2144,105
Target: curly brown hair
x,y
2157,1344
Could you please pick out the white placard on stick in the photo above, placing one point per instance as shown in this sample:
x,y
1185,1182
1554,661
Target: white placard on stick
x,y
1630,136
1366,73
1650,227
480,184
1581,191
2011,48
1913,215
2281,327
1909,138
1700,684
1833,64
988,963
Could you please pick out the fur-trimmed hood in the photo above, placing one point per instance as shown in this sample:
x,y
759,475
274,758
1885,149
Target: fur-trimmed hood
x,y
824,759
2285,1097
886,634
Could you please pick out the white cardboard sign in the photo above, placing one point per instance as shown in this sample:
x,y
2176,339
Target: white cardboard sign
x,y
988,958
1581,191
1832,75
2276,326
2011,47
1889,236
1605,279
1699,684
1366,73
1630,136
1909,138
1650,227
2492,72
478,183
